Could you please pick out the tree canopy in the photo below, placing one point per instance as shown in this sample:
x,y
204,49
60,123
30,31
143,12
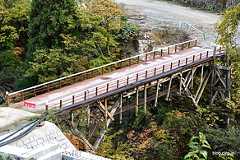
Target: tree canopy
x,y
51,39
227,30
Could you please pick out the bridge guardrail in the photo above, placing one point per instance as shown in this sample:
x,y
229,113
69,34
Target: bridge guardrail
x,y
27,93
133,78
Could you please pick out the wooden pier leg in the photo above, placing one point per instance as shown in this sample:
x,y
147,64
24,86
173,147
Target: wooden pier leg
x,y
212,79
228,83
106,111
169,88
88,115
137,101
192,77
181,81
145,98
202,71
72,119
203,86
157,91
121,102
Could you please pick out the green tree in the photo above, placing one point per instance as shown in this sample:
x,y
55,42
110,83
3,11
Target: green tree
x,y
227,30
48,20
14,23
198,148
50,64
13,36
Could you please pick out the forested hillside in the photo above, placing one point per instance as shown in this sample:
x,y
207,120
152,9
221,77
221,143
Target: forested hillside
x,y
39,43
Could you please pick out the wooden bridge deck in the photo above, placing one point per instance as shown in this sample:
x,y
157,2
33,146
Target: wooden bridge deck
x,y
94,84
87,89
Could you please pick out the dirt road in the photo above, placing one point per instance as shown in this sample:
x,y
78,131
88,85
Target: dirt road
x,y
156,11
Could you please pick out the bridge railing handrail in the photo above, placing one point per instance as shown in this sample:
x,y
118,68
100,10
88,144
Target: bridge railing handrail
x,y
80,76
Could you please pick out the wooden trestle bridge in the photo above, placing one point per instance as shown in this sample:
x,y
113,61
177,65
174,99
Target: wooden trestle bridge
x,y
103,91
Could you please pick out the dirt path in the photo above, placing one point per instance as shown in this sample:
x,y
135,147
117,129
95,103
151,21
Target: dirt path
x,y
157,11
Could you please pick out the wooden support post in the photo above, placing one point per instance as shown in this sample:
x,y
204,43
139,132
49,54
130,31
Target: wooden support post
x,y
106,111
192,77
220,78
73,99
212,79
46,107
202,89
228,83
72,118
121,110
117,84
181,81
85,95
195,43
60,104
157,91
145,98
169,88
202,71
137,101
88,115
107,87
201,83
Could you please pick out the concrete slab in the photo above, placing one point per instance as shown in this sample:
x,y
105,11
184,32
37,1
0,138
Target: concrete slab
x,y
45,142
11,118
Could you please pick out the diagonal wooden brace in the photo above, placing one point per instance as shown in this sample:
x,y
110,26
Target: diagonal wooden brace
x,y
103,109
